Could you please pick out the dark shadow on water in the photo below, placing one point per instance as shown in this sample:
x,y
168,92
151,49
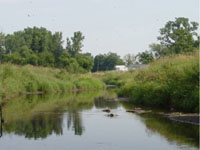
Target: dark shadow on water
x,y
180,133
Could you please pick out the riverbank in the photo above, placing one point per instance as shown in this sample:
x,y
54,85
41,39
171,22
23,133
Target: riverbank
x,y
16,80
186,118
171,82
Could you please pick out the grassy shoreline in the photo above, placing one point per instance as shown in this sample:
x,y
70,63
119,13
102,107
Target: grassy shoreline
x,y
171,82
16,80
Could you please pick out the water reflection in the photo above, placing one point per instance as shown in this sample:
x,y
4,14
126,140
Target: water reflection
x,y
102,102
180,133
39,126
1,121
74,120
39,116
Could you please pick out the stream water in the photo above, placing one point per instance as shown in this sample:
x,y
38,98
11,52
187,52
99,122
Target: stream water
x,y
75,121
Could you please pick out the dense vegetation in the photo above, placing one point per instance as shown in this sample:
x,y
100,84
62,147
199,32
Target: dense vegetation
x,y
171,79
106,62
21,79
40,47
171,82
179,36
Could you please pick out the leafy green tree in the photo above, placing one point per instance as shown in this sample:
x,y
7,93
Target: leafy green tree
x,y
57,47
46,59
2,45
145,57
34,59
14,42
99,63
89,55
106,62
111,60
85,62
129,59
179,35
64,60
74,67
158,50
74,46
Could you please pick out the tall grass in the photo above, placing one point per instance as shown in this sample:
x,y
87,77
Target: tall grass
x,y
19,79
171,82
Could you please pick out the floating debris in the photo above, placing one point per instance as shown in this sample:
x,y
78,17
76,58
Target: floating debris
x,y
106,110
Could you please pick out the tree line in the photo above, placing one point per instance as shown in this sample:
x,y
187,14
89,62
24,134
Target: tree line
x,y
41,47
179,36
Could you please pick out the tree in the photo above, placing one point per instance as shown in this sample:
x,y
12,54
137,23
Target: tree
x,y
129,59
46,59
106,62
158,50
57,47
2,46
85,62
112,59
145,57
99,63
179,35
89,55
75,45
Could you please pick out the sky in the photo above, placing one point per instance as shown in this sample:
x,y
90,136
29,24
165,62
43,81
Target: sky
x,y
120,26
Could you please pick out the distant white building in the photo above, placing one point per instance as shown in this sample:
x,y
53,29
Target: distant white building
x,y
121,68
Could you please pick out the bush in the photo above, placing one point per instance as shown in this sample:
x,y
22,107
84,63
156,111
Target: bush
x,y
171,82
17,79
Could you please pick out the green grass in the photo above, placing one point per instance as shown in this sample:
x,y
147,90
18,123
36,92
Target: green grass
x,y
171,82
20,79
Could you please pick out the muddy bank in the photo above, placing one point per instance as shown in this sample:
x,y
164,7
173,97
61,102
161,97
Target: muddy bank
x,y
186,118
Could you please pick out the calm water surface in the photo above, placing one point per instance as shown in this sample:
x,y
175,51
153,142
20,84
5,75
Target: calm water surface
x,y
75,121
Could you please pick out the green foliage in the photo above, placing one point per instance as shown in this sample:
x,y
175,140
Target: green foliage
x,y
145,57
129,59
27,120
175,132
2,45
22,79
75,45
88,83
40,47
171,82
158,50
179,35
106,62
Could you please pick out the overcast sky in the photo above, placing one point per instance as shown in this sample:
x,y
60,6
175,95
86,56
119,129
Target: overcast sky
x,y
121,26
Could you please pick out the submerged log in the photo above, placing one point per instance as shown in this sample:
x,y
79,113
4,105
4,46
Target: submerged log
x,y
106,110
138,110
111,115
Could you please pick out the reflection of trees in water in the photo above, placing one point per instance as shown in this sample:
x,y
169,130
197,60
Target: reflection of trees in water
x,y
49,120
180,133
74,118
28,122
40,126
102,102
